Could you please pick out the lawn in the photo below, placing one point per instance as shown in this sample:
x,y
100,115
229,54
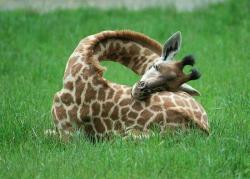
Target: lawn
x,y
33,53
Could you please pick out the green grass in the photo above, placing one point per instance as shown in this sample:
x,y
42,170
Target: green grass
x,y
33,52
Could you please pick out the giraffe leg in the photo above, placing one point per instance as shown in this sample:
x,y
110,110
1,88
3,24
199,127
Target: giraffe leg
x,y
63,127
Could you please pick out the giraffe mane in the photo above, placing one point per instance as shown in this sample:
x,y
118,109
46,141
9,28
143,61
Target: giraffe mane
x,y
121,35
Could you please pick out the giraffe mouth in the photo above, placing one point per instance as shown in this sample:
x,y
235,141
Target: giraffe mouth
x,y
140,90
143,89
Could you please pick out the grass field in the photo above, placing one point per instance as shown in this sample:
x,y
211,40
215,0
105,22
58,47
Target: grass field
x,y
33,52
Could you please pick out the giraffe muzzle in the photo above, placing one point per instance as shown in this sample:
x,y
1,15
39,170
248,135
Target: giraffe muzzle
x,y
140,90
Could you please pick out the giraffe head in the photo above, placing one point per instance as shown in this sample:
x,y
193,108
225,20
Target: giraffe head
x,y
166,73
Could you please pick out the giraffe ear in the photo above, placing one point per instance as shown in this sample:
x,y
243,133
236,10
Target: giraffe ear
x,y
171,46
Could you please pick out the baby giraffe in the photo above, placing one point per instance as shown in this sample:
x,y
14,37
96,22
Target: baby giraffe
x,y
98,107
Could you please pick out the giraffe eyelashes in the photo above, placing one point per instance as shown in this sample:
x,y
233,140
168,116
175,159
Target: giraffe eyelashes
x,y
156,67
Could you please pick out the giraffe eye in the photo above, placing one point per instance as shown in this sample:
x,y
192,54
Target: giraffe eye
x,y
156,67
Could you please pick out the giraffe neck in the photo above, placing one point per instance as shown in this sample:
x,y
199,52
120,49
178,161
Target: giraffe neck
x,y
129,53
134,50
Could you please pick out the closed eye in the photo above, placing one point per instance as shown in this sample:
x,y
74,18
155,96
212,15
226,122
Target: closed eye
x,y
156,67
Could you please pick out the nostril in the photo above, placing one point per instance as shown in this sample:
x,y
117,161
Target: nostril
x,y
188,60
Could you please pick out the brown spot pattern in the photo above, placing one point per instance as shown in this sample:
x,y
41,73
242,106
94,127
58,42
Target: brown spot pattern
x,y
176,119
125,60
84,111
108,123
125,102
115,113
67,126
141,121
147,52
147,102
111,94
96,81
56,99
98,125
67,99
76,68
106,108
168,103
60,112
179,102
193,104
156,108
129,122
95,108
144,67
86,73
117,125
90,93
146,114
89,130
124,110
86,119
117,47
156,99
70,64
73,114
101,95
98,48
132,115
159,118
137,106
69,85
79,89
118,95
197,115
134,49
174,116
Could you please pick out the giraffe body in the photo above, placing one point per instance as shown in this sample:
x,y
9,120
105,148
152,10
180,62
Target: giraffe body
x,y
99,107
